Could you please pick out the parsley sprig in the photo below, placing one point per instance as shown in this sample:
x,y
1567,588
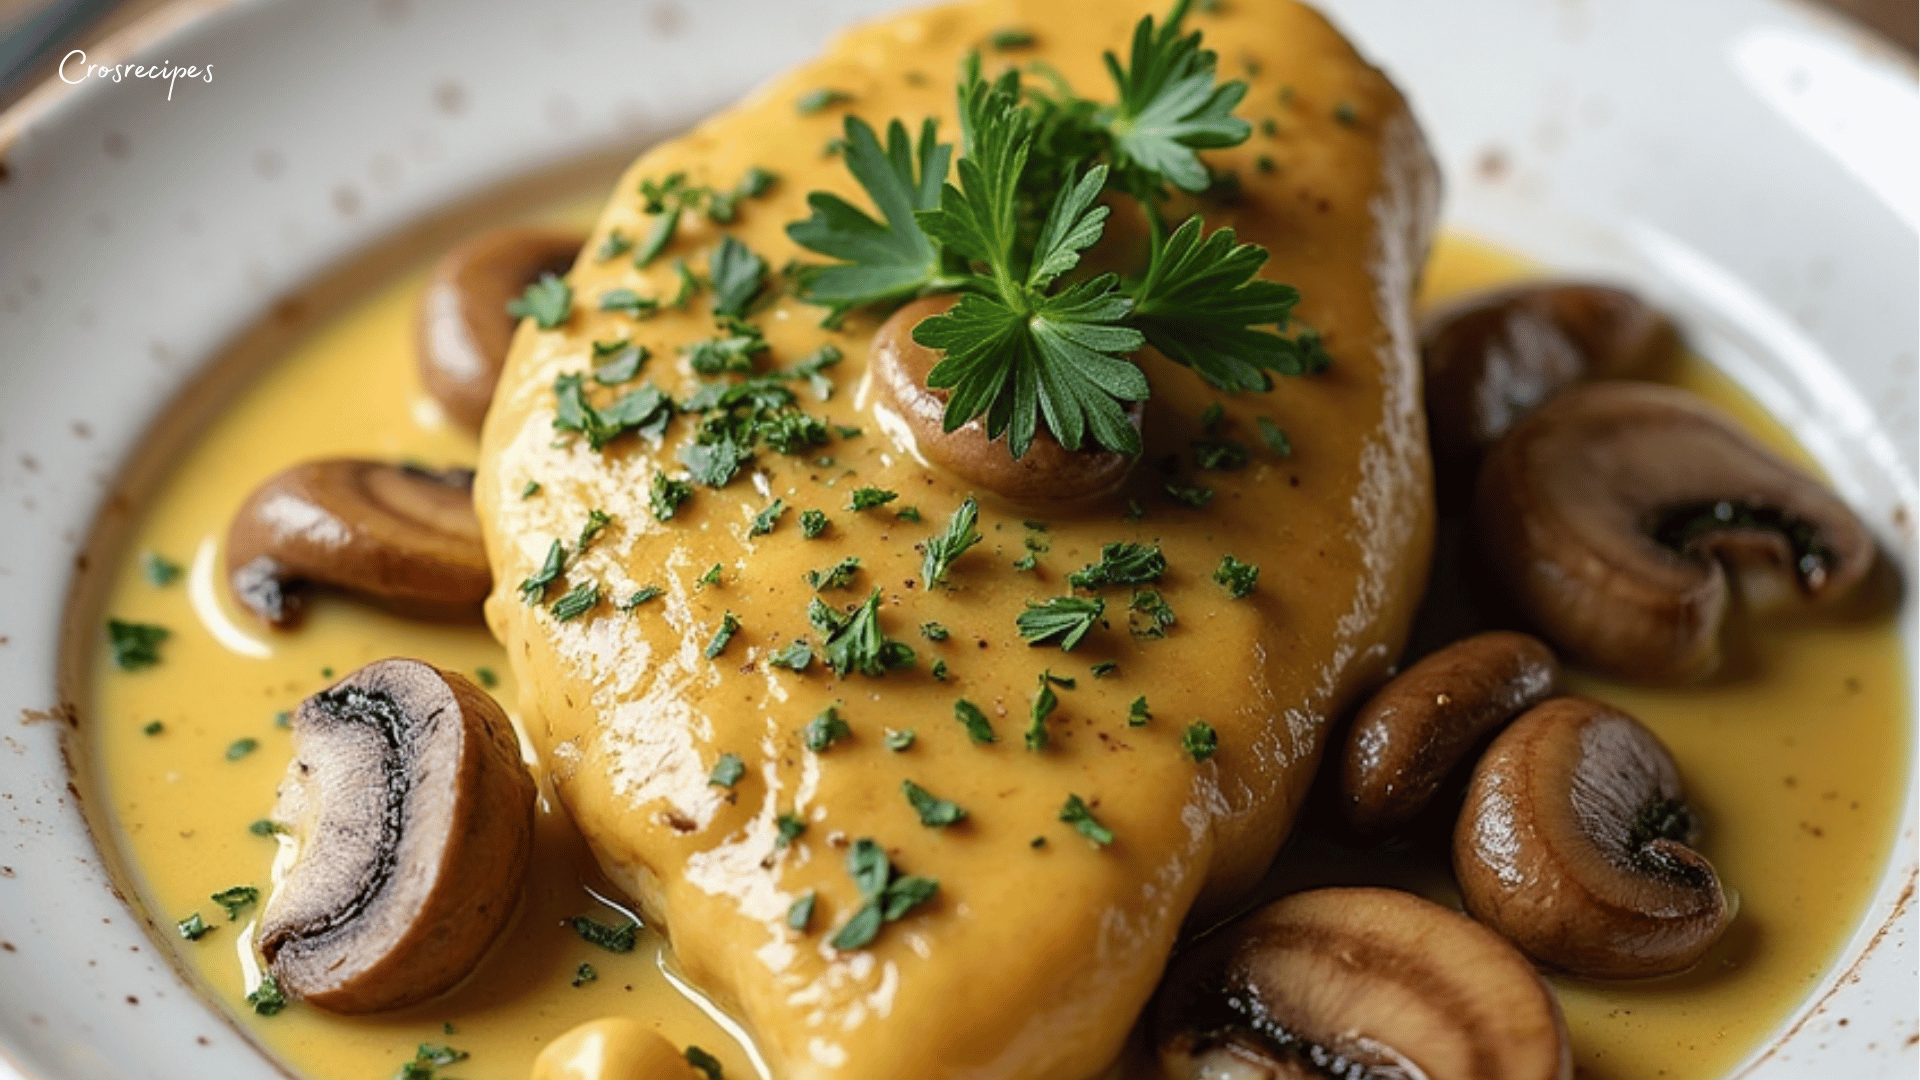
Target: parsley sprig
x,y
1029,341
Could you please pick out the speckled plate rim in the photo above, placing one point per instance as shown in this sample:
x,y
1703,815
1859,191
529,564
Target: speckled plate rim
x,y
1720,161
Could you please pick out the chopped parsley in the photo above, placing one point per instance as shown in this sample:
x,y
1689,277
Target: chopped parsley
x,y
811,367
193,927
952,542
938,670
838,576
935,812
797,656
854,642
705,1062
597,522
548,302
727,771
266,999
933,631
765,520
659,235
899,740
979,729
888,895
236,900
160,570
1148,614
812,524
488,680
534,588
646,410
1200,740
528,492
667,495
622,366
1236,577
135,645
577,601
1121,564
1076,814
791,827
615,245
814,101
154,727
729,626
824,730
583,975
1220,455
266,827
240,748
736,273
1137,713
1188,495
1104,668
614,939
1044,703
1062,621
1009,39
800,913
711,577
642,595
1274,436
866,498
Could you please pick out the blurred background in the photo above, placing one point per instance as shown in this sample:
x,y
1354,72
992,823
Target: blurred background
x,y
35,34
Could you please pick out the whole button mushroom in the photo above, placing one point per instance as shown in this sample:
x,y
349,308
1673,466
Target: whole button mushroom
x,y
1357,982
403,536
412,815
1574,846
1615,514
1048,474
463,326
1409,737
1494,356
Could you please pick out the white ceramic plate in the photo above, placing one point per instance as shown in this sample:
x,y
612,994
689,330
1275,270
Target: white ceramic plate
x,y
1752,164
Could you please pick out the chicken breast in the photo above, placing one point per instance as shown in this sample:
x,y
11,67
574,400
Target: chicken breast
x,y
1035,954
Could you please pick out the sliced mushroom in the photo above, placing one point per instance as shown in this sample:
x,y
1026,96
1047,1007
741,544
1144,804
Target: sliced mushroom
x,y
403,536
612,1048
912,413
1614,514
464,329
1357,983
412,813
1409,737
1493,356
1574,846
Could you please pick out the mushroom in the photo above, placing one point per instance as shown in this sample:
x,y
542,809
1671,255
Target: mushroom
x,y
1357,982
911,412
412,818
612,1048
398,534
1410,735
1494,356
1574,846
1615,513
464,329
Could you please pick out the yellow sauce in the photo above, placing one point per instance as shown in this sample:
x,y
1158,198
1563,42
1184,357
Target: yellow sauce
x,y
1795,763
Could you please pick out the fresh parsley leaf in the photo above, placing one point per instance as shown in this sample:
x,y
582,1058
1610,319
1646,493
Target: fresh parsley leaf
x,y
1062,621
1010,39
812,524
267,827
154,727
814,101
1187,495
878,263
628,302
869,867
867,498
659,235
938,670
800,914
796,657
529,491
1044,703
1200,740
731,353
1154,614
757,182
548,302
193,927
1121,564
953,541
838,576
736,273
716,460
899,740
1201,304
824,730
935,812
577,601
711,577
859,931
645,410
615,245
765,520
729,626
621,366
790,828
667,496
1077,814
1275,437
644,594
1169,108
160,570
1138,713
727,771
266,999
597,522
1236,577
934,631
979,729
614,939
1220,455
856,644
690,285
583,975
240,748
135,645
237,899
1104,668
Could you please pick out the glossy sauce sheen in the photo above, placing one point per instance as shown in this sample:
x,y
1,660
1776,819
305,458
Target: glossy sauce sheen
x,y
633,715
1795,767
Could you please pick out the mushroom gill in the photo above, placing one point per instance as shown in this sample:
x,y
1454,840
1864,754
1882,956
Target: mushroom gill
x,y
412,816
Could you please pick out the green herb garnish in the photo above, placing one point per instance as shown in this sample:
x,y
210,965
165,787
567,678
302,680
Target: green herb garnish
x,y
1077,814
727,771
838,576
800,913
1274,436
899,740
1062,621
952,542
979,729
135,645
577,601
622,366
812,524
824,730
797,656
154,727
765,520
644,594
534,588
160,570
934,631
889,896
266,999
583,975
266,827
548,302
1121,564
236,900
814,101
854,642
729,626
1010,39
791,827
1236,577
1137,713
1200,740
705,1062
1154,614
866,498
1044,703
935,812
193,927
614,939
667,495
736,273
240,748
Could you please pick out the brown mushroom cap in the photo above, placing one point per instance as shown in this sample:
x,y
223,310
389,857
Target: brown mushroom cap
x,y
1410,735
1492,357
413,816
403,536
1613,515
463,326
1358,982
1573,846
1048,474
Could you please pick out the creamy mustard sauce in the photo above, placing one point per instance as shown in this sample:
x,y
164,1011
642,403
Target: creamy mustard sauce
x,y
1795,764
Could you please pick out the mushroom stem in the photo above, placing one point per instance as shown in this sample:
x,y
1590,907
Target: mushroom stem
x,y
403,536
914,415
1574,846
412,814
1616,513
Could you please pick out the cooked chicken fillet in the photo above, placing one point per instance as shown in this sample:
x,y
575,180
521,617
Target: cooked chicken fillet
x,y
1037,952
